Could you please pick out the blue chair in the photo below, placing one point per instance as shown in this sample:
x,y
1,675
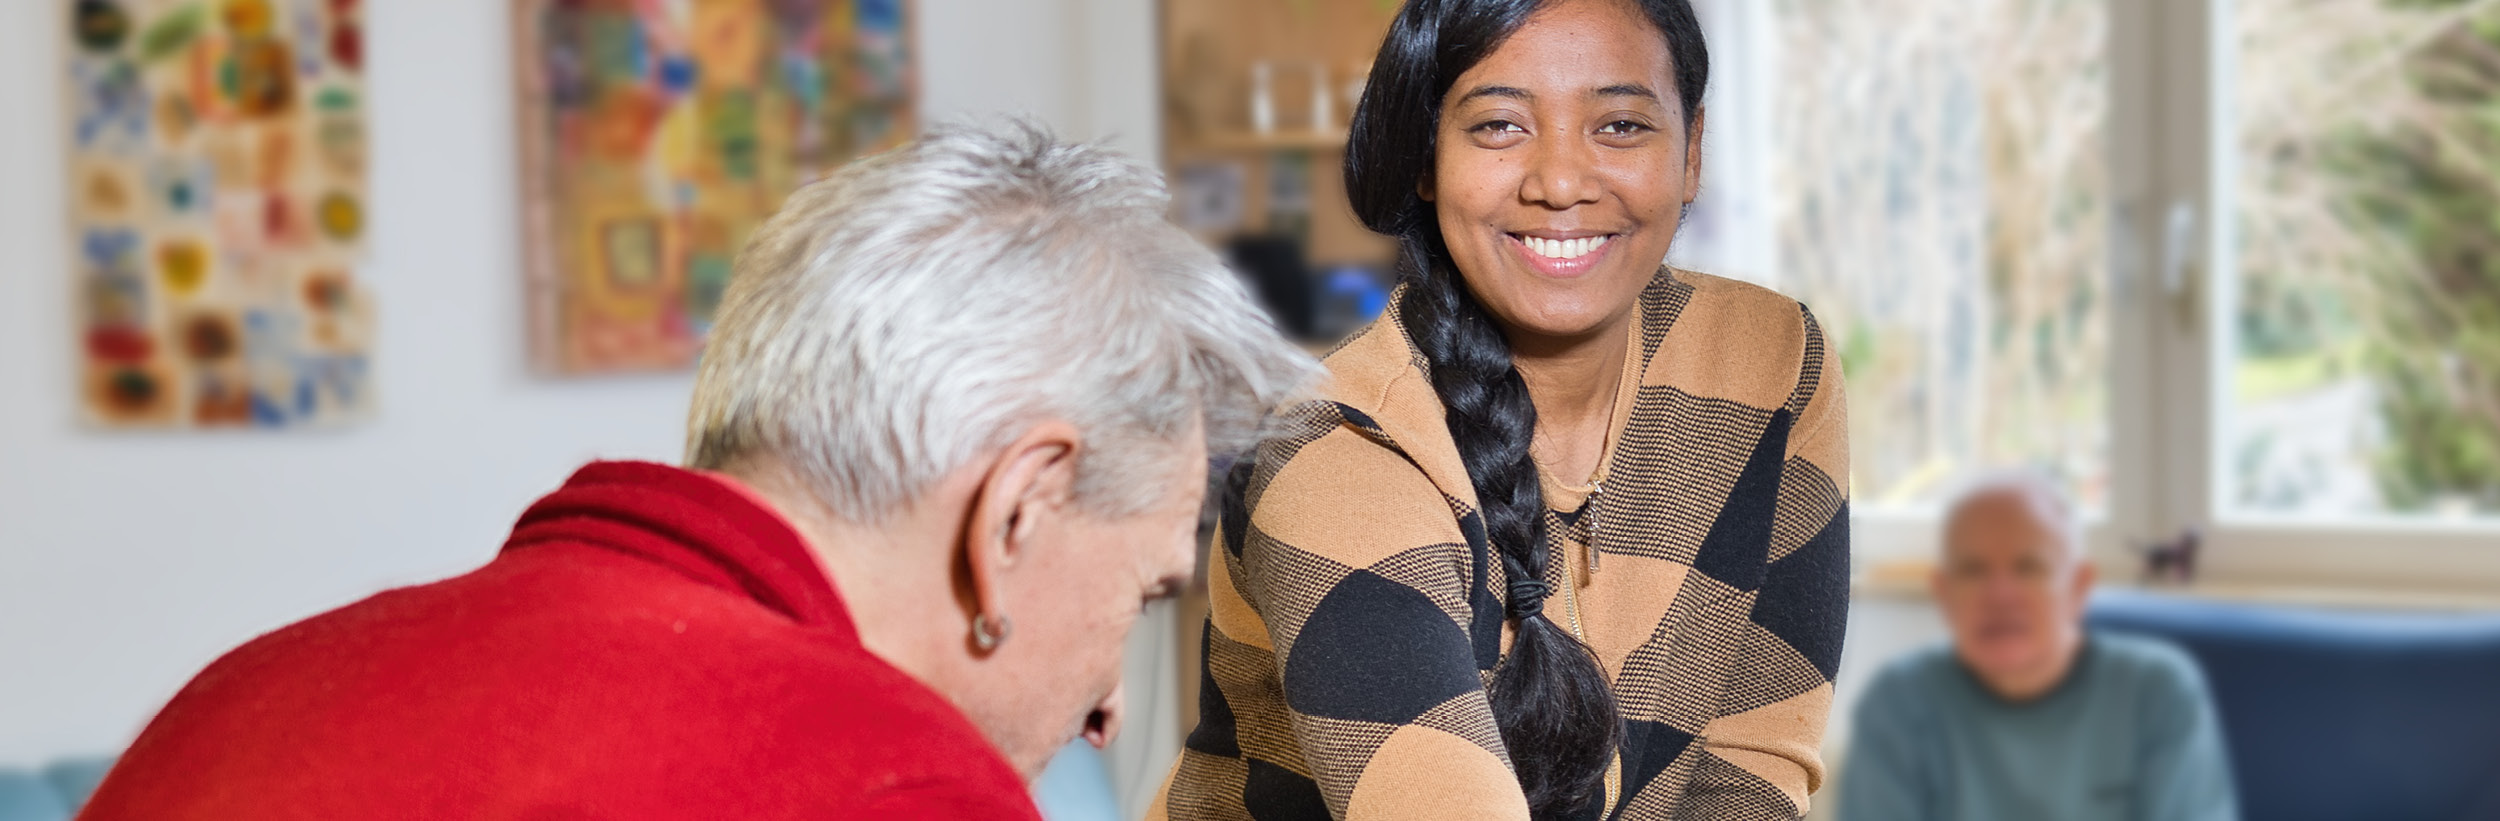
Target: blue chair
x,y
53,793
1076,787
2333,715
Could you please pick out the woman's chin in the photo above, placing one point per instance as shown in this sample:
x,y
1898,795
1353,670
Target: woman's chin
x,y
1577,319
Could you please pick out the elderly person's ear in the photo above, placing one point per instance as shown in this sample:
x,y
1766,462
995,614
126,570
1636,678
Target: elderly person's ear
x,y
1033,478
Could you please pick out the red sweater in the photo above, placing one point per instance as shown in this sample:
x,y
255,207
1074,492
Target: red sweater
x,y
649,644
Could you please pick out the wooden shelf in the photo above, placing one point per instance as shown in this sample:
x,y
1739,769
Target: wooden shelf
x,y
1232,142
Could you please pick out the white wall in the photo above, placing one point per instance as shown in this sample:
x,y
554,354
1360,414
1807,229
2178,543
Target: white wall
x,y
127,562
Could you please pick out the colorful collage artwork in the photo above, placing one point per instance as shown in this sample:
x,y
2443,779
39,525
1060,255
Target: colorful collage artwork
x,y
217,202
657,134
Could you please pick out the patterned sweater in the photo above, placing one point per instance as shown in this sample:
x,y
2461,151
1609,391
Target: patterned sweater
x,y
1357,610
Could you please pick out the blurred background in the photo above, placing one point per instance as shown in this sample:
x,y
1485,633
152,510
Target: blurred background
x,y
2227,269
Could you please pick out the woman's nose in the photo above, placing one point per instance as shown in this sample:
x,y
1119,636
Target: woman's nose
x,y
1562,173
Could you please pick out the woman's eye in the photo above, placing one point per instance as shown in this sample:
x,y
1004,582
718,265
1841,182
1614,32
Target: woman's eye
x,y
1497,127
1622,128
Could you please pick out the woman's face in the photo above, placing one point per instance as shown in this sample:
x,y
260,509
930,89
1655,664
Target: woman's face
x,y
1562,168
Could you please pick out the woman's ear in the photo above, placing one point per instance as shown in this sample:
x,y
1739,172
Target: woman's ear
x,y
1692,155
1030,480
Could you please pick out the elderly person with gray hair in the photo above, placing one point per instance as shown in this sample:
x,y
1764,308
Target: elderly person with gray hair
x,y
950,435
2027,714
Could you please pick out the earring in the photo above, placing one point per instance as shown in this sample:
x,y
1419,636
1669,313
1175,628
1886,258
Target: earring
x,y
988,631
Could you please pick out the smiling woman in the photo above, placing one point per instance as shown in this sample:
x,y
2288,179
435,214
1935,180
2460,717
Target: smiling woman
x,y
1568,535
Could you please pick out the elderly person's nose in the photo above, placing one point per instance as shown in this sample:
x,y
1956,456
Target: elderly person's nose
x,y
1104,725
2005,586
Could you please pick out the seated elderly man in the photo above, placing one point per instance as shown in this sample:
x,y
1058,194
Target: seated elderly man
x,y
949,436
2027,715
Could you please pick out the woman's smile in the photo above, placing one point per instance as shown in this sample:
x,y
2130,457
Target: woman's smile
x,y
1561,254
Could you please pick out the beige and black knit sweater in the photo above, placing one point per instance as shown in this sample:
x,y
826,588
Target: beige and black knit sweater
x,y
1357,610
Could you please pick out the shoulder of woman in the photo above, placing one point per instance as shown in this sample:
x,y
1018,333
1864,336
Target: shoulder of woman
x,y
1743,307
1334,482
1379,390
1326,443
1369,367
1734,340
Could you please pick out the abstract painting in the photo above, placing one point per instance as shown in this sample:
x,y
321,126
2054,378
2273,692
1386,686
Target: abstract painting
x,y
657,134
217,205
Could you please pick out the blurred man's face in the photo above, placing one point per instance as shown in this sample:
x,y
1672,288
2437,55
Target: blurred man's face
x,y
2013,591
1057,677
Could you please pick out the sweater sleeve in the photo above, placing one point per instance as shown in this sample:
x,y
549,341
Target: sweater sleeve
x,y
1367,586
2185,774
1763,752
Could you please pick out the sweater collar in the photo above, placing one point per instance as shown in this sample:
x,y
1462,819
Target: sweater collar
x,y
2087,651
694,524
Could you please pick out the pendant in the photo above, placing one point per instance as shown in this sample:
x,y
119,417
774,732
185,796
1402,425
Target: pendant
x,y
1595,520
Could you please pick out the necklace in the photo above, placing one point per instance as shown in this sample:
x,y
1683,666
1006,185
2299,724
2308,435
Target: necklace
x,y
1596,483
1605,452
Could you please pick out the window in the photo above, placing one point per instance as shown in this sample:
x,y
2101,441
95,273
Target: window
x,y
1937,193
1999,209
2364,351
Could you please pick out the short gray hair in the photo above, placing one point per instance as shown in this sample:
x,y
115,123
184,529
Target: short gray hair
x,y
924,306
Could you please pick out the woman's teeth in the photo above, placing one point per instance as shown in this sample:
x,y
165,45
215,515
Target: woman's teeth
x,y
1564,248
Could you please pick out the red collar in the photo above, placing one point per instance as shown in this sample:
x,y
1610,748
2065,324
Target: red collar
x,y
694,524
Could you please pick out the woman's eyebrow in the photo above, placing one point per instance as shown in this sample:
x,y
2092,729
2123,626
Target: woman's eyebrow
x,y
1525,96
1626,90
1507,92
